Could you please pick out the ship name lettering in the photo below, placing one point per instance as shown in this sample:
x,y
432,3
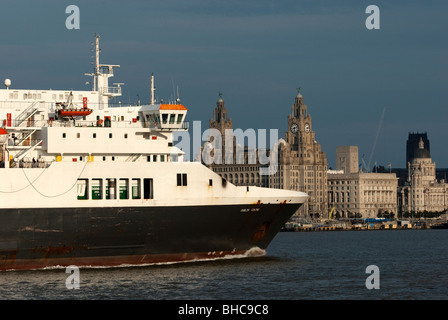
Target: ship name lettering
x,y
250,210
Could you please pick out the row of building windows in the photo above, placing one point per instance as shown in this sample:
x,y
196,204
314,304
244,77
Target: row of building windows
x,y
38,96
242,168
241,178
122,188
78,135
149,158
113,188
383,182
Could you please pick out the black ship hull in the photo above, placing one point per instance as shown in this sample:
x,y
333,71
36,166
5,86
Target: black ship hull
x,y
113,236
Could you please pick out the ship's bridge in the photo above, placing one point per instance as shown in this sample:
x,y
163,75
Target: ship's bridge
x,y
165,116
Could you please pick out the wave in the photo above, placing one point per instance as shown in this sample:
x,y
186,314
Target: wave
x,y
250,253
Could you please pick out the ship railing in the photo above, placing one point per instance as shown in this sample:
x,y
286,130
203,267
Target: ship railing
x,y
20,143
21,104
28,163
37,124
23,123
111,90
78,123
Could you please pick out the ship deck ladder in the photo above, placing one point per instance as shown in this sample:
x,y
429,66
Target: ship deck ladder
x,y
28,112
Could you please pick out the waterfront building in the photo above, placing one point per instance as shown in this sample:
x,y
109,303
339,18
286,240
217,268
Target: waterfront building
x,y
347,159
301,164
356,194
239,165
422,191
417,146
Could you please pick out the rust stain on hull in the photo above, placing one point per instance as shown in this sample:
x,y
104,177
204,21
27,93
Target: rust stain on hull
x,y
50,251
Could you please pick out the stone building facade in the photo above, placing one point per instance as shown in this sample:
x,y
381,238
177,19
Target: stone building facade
x,y
356,194
362,194
301,164
239,164
422,191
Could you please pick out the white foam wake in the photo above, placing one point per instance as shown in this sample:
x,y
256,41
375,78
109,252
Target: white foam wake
x,y
251,253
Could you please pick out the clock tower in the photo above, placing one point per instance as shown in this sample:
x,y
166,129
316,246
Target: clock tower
x,y
299,123
302,163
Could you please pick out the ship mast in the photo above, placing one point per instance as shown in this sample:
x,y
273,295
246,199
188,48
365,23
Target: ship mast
x,y
101,76
97,62
152,88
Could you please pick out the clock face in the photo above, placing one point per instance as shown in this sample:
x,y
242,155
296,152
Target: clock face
x,y
307,128
294,128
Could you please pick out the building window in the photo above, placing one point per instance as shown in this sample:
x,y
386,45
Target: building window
x,y
97,190
110,135
125,135
181,179
123,188
148,189
63,135
135,188
82,189
94,136
111,189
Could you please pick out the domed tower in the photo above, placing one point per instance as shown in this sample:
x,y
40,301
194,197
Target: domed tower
x,y
421,165
417,146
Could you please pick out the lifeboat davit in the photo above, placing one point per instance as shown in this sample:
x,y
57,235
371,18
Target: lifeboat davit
x,y
74,112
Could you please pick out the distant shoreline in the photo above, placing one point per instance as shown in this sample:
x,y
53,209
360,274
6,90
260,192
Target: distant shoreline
x,y
345,226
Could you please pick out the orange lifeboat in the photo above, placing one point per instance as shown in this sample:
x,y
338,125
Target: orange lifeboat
x,y
74,112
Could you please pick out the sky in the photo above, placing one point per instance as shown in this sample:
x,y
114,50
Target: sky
x,y
256,53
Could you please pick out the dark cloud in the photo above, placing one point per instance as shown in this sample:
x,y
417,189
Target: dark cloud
x,y
256,53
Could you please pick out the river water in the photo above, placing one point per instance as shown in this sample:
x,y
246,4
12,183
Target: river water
x,y
409,264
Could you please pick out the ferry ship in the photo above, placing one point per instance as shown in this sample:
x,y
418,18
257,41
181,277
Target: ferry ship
x,y
88,184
